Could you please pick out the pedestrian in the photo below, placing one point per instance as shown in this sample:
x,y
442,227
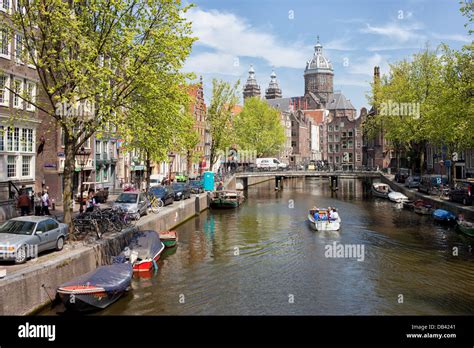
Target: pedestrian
x,y
38,204
220,187
24,203
45,202
91,202
334,214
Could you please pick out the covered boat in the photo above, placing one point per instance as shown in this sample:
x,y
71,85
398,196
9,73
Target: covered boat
x,y
321,221
381,190
422,207
466,227
144,250
225,199
97,289
169,238
442,215
397,197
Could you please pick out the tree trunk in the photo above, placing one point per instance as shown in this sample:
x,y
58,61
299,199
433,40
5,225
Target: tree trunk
x,y
189,162
69,166
148,170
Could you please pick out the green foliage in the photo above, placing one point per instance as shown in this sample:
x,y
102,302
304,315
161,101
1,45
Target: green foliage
x,y
258,128
219,117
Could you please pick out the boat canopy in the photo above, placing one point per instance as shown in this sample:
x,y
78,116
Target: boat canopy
x,y
146,243
115,277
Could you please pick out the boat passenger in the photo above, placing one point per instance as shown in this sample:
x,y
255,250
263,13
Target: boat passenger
x,y
334,214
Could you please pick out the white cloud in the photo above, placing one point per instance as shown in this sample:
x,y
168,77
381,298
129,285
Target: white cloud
x,y
213,62
232,36
341,81
452,37
365,65
343,44
395,31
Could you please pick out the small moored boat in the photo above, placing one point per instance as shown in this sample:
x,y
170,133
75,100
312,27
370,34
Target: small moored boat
x,y
226,199
321,223
169,238
397,197
97,289
381,190
442,215
422,207
144,250
466,227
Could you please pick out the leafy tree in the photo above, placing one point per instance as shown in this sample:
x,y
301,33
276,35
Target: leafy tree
x,y
99,53
219,117
258,128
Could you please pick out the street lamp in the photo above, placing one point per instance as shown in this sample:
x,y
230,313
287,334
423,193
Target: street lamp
x,y
82,156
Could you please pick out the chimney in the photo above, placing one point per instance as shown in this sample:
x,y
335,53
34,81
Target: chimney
x,y
376,72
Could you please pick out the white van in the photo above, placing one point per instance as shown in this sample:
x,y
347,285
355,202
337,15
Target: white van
x,y
270,164
156,179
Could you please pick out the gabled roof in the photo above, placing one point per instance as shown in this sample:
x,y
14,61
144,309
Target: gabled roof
x,y
339,102
282,104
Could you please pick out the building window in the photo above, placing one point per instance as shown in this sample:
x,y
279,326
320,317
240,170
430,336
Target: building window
x,y
337,159
23,140
4,92
341,125
4,5
350,134
11,166
337,147
30,95
330,148
105,174
2,136
344,145
357,132
336,128
358,144
19,48
16,139
26,165
357,157
4,42
350,144
18,89
330,137
336,138
330,129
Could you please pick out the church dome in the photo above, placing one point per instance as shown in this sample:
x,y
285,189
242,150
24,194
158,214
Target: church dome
x,y
319,63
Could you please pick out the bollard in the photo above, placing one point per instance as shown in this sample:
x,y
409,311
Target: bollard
x,y
53,204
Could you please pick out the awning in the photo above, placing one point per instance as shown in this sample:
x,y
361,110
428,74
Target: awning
x,y
138,168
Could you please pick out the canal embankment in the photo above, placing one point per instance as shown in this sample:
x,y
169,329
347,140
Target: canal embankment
x,y
438,203
29,287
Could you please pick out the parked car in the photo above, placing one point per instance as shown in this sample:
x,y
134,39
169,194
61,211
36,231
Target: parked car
x,y
24,237
165,193
413,181
402,175
196,186
156,179
181,191
431,183
463,192
135,203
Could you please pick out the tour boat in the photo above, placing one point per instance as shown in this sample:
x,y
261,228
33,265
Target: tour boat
x,y
144,250
466,227
225,199
381,190
442,215
323,225
397,197
422,207
169,238
97,289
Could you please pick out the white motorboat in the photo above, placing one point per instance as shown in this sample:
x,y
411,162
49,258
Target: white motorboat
x,y
323,224
397,197
381,190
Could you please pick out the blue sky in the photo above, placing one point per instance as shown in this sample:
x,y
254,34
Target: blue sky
x,y
356,35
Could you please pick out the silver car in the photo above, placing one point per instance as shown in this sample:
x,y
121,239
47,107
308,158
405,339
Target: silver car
x,y
25,237
134,203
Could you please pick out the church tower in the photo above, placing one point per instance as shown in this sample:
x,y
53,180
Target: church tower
x,y
273,91
251,88
318,75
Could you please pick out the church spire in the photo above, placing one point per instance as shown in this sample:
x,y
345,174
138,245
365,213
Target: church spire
x,y
251,88
273,91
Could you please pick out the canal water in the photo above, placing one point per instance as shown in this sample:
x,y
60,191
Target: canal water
x,y
263,259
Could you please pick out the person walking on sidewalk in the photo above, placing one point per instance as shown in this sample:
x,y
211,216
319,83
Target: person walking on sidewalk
x,y
45,202
38,204
24,203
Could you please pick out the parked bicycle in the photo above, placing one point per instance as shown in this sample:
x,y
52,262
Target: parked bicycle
x,y
155,203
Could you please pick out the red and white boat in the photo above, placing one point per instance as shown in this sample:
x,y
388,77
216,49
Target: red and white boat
x,y
144,250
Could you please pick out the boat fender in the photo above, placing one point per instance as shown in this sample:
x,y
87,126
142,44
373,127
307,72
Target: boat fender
x,y
155,265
